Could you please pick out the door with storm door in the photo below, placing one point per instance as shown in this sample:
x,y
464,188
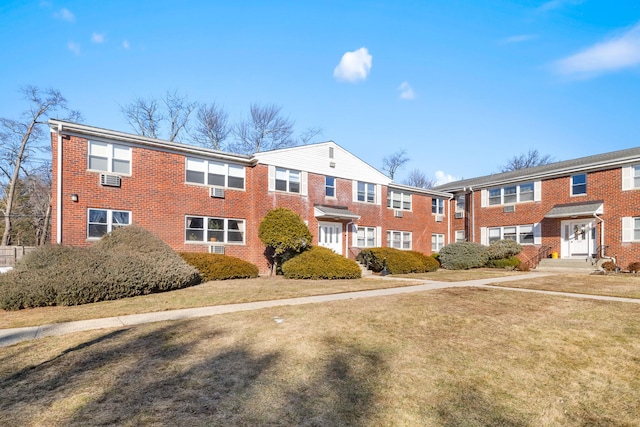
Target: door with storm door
x,y
578,239
330,236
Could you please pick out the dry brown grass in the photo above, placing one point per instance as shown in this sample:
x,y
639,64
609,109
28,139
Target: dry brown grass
x,y
463,356
615,285
443,275
206,294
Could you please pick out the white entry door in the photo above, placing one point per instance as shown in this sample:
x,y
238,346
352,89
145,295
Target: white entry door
x,y
330,236
578,239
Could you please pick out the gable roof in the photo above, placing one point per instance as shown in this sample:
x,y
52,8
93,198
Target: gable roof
x,y
567,167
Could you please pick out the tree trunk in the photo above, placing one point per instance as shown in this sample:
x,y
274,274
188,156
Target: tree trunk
x,y
44,233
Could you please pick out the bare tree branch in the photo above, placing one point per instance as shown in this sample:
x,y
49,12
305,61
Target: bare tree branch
x,y
179,108
212,128
264,130
393,162
418,179
527,160
309,133
143,116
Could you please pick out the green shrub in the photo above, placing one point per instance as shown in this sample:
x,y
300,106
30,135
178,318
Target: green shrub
x,y
506,248
285,234
398,261
127,262
511,263
321,263
219,267
463,256
634,267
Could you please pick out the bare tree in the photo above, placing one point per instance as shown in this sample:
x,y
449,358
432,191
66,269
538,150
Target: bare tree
x,y
265,129
527,160
309,134
20,140
418,179
212,128
393,162
146,115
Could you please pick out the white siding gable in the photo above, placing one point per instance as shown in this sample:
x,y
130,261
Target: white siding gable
x,y
315,158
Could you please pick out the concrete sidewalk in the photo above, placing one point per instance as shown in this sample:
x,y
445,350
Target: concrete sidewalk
x,y
16,335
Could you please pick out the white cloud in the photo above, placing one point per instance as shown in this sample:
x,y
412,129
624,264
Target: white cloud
x,y
520,38
558,4
353,66
443,178
65,14
97,38
609,56
406,91
125,44
74,47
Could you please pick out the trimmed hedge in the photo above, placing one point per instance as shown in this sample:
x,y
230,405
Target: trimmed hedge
x,y
321,263
506,248
398,261
128,262
219,267
463,256
511,263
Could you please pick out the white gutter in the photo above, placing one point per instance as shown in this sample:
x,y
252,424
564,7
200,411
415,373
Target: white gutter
x,y
601,234
59,188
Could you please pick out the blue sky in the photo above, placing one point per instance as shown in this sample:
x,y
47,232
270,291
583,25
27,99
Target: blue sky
x,y
461,85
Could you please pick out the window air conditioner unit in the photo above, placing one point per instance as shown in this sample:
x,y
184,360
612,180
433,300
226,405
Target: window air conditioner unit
x,y
439,218
216,249
397,213
110,180
216,192
509,208
459,215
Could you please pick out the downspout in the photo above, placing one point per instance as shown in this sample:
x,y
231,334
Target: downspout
x,y
473,215
59,188
602,236
449,218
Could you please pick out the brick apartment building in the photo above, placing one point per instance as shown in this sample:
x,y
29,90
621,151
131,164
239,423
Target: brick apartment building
x,y
198,199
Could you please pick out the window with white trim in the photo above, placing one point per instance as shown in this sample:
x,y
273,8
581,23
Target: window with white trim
x,y
366,237
460,236
103,221
636,229
636,176
398,200
399,239
460,202
108,157
512,194
579,184
287,180
522,234
437,206
219,174
201,229
330,185
437,242
366,192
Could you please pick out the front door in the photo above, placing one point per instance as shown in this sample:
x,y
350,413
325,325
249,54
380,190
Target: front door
x,y
330,236
578,239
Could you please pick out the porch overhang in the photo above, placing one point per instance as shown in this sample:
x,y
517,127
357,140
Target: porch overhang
x,y
575,210
334,212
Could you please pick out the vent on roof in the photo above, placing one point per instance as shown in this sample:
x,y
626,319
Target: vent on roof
x,y
509,208
109,180
397,213
216,192
332,164
459,215
216,249
439,218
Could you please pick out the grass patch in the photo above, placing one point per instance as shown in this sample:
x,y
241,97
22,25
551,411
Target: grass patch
x,y
206,294
618,285
460,356
443,275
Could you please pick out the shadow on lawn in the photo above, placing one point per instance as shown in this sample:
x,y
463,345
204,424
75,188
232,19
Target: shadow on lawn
x,y
186,375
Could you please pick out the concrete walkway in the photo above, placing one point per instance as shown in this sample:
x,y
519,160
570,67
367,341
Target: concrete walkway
x,y
16,335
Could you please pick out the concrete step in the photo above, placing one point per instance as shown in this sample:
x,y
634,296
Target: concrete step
x,y
585,265
365,271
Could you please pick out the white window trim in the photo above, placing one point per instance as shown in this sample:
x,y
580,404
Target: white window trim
x,y
110,157
628,177
403,234
537,194
586,188
439,206
335,185
458,207
376,232
376,193
458,233
537,236
205,221
109,220
206,173
304,177
403,195
439,242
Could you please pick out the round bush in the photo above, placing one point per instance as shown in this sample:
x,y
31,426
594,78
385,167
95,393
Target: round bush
x,y
398,261
506,248
634,267
220,267
321,263
463,256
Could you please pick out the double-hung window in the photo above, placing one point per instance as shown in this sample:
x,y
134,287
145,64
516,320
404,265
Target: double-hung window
x,y
636,176
636,229
437,206
579,184
287,180
103,221
366,192
399,239
200,229
366,237
437,242
460,236
330,185
511,194
495,196
108,157
209,172
523,234
399,200
460,200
